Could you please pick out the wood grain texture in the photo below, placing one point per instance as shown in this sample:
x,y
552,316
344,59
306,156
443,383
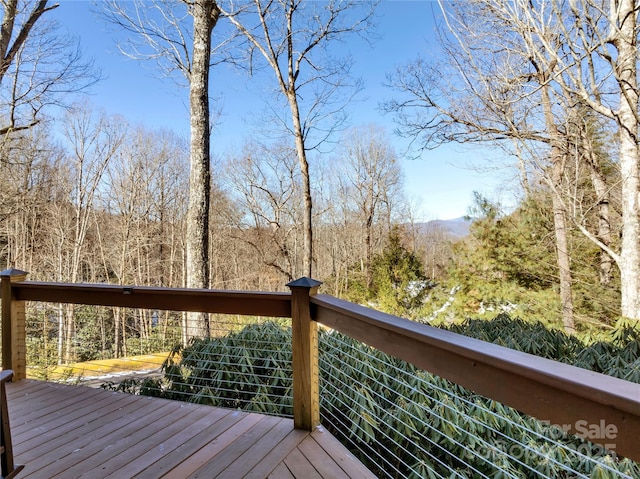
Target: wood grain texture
x,y
14,349
304,332
68,432
172,299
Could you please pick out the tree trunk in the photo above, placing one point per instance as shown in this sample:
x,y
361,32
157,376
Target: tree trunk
x,y
559,219
8,52
624,39
563,259
602,197
307,257
368,250
205,15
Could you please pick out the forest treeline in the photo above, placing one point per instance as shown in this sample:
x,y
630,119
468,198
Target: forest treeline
x,y
106,202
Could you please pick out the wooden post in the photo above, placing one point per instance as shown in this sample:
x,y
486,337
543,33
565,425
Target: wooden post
x,y
8,469
14,346
306,392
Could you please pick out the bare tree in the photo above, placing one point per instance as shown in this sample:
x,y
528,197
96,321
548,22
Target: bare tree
x,y
29,176
137,242
292,37
38,65
93,141
370,175
160,33
606,81
587,138
589,49
435,244
266,184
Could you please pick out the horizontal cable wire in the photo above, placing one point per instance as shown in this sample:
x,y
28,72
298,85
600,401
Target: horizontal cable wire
x,y
446,392
337,399
511,422
429,426
475,420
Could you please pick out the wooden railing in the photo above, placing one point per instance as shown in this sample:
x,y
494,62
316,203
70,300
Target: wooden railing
x,y
548,390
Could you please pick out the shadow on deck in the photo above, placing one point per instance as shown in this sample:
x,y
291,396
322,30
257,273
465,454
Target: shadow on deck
x,y
71,431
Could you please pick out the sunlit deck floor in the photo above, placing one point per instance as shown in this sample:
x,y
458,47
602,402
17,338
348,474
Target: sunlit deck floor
x,y
71,431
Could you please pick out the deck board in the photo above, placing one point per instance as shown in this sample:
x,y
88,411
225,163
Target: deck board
x,y
157,453
247,443
300,466
352,467
191,449
87,419
316,455
68,445
246,461
281,472
73,431
277,454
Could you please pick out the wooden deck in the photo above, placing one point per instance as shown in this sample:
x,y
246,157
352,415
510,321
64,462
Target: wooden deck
x,y
66,432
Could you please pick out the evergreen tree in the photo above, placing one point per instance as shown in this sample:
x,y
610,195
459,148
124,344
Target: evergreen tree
x,y
399,284
507,264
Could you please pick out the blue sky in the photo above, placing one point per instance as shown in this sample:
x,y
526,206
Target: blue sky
x,y
439,181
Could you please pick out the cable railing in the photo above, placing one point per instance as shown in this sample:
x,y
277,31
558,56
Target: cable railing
x,y
147,338
94,348
363,376
405,422
248,369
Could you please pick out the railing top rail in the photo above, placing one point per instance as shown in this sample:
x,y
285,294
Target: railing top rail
x,y
250,303
549,390
596,386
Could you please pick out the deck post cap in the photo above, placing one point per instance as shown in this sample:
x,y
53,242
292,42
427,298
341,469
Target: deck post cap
x,y
304,282
13,272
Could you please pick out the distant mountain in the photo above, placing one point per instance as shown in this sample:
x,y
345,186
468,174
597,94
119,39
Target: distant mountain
x,y
458,227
